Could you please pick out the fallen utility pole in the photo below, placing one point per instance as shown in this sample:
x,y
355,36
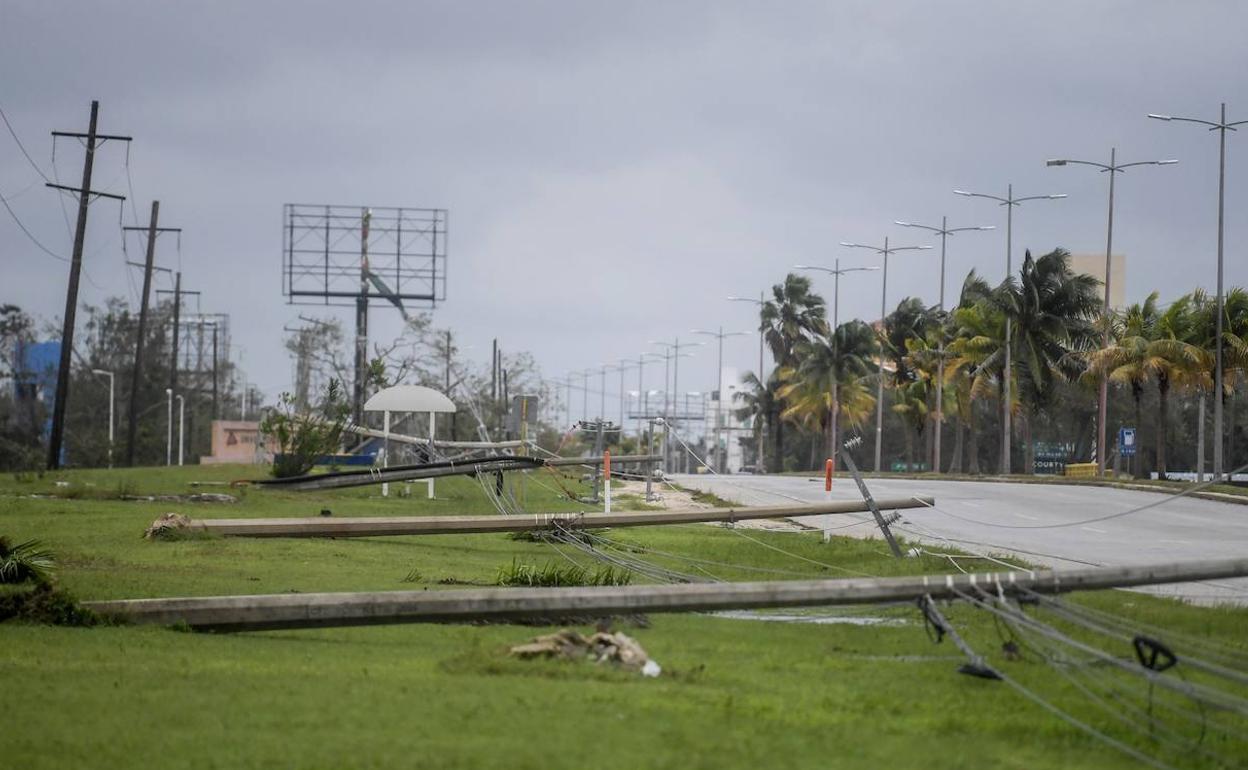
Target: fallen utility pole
x,y
360,430
367,476
276,611
373,526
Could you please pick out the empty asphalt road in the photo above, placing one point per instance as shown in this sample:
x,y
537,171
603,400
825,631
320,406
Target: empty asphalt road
x,y
1047,524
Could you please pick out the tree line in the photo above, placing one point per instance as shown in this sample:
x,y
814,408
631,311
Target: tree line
x,y
1159,364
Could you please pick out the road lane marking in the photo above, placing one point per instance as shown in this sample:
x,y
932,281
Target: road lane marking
x,y
1025,516
1094,529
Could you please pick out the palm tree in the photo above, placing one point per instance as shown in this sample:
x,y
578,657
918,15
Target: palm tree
x,y
1152,345
795,313
910,322
830,380
976,355
1053,311
759,406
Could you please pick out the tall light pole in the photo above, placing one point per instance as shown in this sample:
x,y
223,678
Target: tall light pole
x,y
762,382
884,250
1009,201
622,367
1114,168
169,426
944,231
109,375
838,271
719,388
641,368
181,424
1221,126
673,348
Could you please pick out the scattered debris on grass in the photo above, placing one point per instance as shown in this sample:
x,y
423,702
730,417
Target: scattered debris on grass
x,y
600,647
175,526
552,574
25,562
414,576
66,491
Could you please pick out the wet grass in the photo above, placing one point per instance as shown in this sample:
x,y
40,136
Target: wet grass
x,y
734,693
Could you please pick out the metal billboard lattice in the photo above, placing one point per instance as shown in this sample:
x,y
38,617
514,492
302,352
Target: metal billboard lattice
x,y
334,255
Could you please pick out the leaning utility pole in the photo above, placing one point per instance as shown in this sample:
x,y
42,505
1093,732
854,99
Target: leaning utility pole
x,y
84,194
136,377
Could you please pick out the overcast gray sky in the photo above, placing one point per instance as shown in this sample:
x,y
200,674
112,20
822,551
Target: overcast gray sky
x,y
614,170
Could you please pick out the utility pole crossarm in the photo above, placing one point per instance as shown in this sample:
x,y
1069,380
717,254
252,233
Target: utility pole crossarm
x,y
78,191
98,137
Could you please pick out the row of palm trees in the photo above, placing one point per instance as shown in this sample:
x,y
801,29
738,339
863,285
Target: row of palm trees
x,y
826,379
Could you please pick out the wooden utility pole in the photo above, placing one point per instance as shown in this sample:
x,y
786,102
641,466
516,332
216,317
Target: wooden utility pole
x,y
271,611
215,358
136,377
84,193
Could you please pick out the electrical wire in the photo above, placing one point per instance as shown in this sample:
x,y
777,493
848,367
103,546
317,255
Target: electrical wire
x,y
22,147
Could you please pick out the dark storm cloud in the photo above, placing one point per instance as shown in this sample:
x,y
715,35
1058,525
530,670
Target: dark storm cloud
x,y
614,170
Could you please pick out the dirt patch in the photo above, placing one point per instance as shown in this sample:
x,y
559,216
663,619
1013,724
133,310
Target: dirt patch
x,y
668,498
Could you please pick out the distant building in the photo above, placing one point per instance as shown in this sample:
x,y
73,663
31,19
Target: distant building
x,y
1094,265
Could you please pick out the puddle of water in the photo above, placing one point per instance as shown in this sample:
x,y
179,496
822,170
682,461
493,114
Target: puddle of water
x,y
819,620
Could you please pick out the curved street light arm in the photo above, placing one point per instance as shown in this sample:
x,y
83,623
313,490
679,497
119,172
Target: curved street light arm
x,y
1003,201
1210,123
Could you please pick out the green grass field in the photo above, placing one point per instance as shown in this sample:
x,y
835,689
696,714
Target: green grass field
x,y
734,692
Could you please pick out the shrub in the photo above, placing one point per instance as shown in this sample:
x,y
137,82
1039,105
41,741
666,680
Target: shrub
x,y
555,575
303,438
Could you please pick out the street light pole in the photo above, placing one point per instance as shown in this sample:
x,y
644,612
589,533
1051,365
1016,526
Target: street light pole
x,y
169,426
719,388
837,272
1009,201
879,391
1221,126
1114,168
762,383
181,424
944,231
108,374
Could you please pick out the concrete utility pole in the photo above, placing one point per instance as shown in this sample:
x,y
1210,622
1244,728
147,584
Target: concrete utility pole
x,y
136,376
84,193
879,391
1114,168
1009,201
944,231
386,526
272,611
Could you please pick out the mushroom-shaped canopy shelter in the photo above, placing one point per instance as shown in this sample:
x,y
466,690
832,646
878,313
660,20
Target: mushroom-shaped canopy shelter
x,y
409,398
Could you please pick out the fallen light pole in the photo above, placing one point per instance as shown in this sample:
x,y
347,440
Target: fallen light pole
x,y
275,611
374,526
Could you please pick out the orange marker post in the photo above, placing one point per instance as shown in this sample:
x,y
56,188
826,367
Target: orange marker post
x,y
829,468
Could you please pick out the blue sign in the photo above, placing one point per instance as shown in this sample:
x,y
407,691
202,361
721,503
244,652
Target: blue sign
x,y
1126,442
